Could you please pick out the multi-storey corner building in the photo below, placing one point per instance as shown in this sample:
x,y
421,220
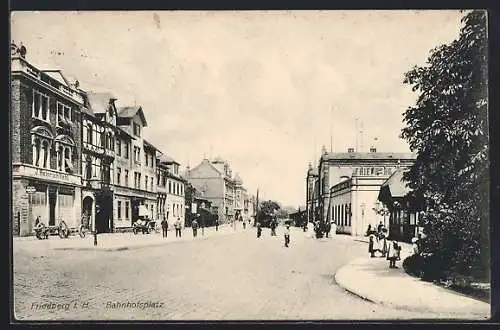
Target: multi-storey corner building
x,y
349,185
45,147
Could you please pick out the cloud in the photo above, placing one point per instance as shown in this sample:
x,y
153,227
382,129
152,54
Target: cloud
x,y
254,87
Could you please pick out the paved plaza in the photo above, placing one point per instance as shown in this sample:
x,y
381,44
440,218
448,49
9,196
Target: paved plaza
x,y
227,277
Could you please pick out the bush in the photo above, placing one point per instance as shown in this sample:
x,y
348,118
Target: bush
x,y
425,267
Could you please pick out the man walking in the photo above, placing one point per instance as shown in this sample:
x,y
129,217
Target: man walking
x,y
287,235
194,225
177,226
217,224
164,226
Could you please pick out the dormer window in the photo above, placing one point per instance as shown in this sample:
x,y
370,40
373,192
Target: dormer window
x,y
137,129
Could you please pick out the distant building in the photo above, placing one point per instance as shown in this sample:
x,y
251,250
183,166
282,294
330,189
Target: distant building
x,y
349,184
214,180
312,194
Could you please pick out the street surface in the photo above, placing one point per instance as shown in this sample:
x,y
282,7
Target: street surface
x,y
229,277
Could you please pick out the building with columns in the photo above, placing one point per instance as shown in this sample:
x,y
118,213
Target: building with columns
x,y
349,185
45,145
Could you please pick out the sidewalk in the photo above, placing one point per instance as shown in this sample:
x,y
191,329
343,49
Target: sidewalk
x,y
373,280
120,241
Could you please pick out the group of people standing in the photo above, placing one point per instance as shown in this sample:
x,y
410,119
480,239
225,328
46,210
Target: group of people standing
x,y
273,225
378,242
177,226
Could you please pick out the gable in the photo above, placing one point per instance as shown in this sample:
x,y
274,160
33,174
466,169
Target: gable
x,y
204,170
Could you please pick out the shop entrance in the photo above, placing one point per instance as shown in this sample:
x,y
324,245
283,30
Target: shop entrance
x,y
104,213
88,204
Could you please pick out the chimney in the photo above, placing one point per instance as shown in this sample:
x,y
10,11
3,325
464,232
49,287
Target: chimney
x,y
372,149
350,150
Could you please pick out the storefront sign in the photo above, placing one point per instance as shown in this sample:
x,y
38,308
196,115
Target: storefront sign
x,y
45,174
30,189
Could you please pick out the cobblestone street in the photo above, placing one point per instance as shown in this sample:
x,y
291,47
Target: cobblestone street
x,y
229,277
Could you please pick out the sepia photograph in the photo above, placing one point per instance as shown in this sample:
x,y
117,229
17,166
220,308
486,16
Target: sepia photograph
x,y
294,165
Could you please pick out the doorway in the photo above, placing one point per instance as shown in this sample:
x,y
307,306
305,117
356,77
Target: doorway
x,y
52,207
87,206
104,213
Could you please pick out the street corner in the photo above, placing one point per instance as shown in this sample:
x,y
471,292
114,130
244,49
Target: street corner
x,y
372,280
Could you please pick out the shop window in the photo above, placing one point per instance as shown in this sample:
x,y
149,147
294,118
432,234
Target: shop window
x,y
127,206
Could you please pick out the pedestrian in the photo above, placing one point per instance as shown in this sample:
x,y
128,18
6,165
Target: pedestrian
x,y
334,229
310,229
164,227
394,254
178,225
414,245
328,228
383,242
287,235
371,243
194,225
259,229
217,224
380,227
368,230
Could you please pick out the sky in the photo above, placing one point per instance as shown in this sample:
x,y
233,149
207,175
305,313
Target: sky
x,y
263,90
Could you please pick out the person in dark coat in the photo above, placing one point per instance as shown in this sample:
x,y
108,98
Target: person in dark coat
x,y
164,227
371,250
259,229
328,228
217,224
194,225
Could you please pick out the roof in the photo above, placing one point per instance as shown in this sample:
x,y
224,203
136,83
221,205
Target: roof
x,y
368,155
237,179
395,184
167,159
131,111
99,102
58,76
150,145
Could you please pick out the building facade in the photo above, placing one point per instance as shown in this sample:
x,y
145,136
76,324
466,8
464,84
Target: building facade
x,y
45,147
349,184
135,168
312,196
173,191
214,179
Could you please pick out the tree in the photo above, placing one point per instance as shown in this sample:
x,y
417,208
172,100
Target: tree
x,y
448,129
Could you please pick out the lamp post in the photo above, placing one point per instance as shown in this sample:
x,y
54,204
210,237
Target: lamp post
x,y
94,230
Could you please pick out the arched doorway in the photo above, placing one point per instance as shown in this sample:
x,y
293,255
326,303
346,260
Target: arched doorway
x,y
87,208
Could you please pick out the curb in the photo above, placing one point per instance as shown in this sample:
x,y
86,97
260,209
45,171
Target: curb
x,y
136,247
452,312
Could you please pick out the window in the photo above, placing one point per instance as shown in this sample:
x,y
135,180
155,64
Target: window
x,y
146,181
169,187
102,138
126,179
126,209
118,175
118,147
89,133
137,129
119,209
127,150
63,113
147,159
40,106
152,183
